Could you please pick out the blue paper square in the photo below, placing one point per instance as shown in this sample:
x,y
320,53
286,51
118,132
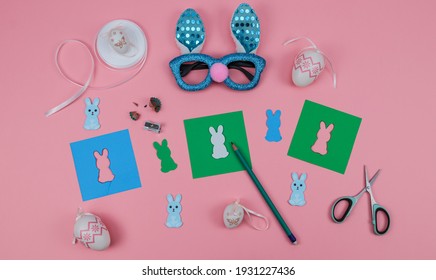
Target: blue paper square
x,y
122,164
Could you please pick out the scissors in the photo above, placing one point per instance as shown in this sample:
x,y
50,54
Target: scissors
x,y
375,208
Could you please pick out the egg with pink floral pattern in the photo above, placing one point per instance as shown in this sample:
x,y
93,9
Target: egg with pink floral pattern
x,y
91,232
308,64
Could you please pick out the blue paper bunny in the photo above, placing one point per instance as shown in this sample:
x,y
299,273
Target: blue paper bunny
x,y
174,208
273,124
92,111
298,187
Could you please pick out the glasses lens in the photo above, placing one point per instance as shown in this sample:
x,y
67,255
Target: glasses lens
x,y
194,72
241,72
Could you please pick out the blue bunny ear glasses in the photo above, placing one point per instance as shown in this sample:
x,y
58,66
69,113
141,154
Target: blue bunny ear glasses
x,y
190,37
250,65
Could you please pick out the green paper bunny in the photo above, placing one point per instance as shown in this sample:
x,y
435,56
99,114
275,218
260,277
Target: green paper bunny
x,y
164,154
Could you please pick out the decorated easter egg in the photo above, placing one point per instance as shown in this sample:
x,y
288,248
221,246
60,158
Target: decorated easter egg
x,y
308,65
233,215
91,232
118,41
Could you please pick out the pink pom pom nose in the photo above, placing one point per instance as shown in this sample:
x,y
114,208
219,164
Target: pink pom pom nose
x,y
219,72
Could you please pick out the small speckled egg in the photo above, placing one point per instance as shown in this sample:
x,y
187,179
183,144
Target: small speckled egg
x,y
91,232
233,215
119,41
308,65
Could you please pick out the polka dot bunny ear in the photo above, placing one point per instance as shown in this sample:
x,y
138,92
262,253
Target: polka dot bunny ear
x,y
190,34
245,29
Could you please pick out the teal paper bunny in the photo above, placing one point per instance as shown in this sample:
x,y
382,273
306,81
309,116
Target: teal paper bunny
x,y
298,187
164,154
273,123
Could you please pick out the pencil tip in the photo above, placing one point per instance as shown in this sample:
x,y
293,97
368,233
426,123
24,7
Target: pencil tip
x,y
295,243
233,146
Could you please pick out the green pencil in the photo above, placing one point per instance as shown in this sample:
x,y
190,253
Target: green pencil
x,y
265,195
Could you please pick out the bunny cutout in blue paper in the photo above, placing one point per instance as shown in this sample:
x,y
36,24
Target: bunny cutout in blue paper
x,y
273,123
92,111
174,208
164,154
298,187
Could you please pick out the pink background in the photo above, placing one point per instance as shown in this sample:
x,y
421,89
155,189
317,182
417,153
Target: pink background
x,y
383,52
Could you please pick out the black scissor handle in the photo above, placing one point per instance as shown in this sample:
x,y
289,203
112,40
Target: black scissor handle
x,y
376,209
350,203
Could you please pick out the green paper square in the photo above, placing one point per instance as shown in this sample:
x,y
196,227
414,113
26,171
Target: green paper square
x,y
201,149
339,146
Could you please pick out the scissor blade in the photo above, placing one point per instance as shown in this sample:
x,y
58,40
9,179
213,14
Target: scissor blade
x,y
374,177
365,173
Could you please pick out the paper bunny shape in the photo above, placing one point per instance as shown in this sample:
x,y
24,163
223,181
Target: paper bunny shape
x,y
323,135
164,154
174,208
92,111
217,139
104,172
273,123
298,187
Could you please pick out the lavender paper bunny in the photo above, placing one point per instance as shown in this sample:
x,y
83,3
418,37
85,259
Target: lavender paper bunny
x,y
298,187
174,208
92,111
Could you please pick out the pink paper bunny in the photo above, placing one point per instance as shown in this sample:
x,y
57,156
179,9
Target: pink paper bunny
x,y
323,135
103,163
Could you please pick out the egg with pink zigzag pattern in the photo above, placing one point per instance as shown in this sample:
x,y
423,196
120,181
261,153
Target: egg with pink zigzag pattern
x,y
308,64
91,232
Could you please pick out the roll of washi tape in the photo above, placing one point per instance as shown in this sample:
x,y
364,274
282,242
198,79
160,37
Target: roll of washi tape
x,y
120,45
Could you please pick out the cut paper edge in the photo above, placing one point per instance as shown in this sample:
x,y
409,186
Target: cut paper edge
x,y
99,170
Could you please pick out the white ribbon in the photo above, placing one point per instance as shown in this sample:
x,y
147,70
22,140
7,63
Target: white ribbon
x,y
83,87
248,211
314,47
86,85
78,215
